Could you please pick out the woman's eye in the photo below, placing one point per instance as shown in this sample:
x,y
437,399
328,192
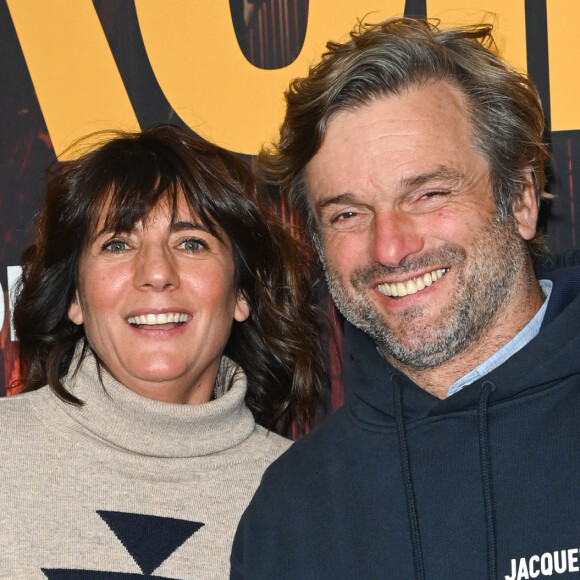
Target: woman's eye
x,y
116,246
193,245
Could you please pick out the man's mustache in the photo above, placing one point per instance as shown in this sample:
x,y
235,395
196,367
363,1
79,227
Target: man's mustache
x,y
446,256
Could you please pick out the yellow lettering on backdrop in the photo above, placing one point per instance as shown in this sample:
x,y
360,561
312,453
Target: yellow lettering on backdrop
x,y
509,21
200,68
194,53
564,64
75,77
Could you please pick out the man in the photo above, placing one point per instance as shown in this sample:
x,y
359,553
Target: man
x,y
415,155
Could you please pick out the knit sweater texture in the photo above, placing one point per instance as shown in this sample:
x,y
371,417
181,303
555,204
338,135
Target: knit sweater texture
x,y
126,486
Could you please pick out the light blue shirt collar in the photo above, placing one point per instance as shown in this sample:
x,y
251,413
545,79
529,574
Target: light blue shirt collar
x,y
518,342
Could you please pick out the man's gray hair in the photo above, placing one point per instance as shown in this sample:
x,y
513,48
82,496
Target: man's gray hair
x,y
386,59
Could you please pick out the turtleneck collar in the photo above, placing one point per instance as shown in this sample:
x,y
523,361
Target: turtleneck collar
x,y
126,420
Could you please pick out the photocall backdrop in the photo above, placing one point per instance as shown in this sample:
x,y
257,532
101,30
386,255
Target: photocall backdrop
x,y
218,67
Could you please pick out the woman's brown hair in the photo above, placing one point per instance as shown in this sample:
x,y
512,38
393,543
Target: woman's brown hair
x,y
278,347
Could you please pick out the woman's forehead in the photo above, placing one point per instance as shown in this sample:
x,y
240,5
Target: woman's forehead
x,y
120,211
174,210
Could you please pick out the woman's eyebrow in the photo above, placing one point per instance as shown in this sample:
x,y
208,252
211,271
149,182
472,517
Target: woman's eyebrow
x,y
181,225
177,226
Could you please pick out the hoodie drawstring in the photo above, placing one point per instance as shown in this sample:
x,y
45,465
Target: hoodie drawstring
x,y
408,481
486,480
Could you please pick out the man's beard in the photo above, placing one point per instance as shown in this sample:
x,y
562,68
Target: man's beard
x,y
483,285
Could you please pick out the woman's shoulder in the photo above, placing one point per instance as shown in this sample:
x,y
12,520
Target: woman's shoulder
x,y
18,409
268,444
21,424
21,400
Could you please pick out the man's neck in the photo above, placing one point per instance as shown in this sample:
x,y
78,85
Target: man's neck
x,y
504,326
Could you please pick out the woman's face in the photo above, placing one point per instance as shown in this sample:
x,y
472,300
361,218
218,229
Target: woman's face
x,y
158,304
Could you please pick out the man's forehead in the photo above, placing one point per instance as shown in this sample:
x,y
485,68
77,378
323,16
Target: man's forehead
x,y
416,135
433,100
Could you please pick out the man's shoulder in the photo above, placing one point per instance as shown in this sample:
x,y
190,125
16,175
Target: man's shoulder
x,y
568,278
307,455
565,293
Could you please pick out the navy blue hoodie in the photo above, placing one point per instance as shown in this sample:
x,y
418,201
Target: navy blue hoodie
x,y
400,484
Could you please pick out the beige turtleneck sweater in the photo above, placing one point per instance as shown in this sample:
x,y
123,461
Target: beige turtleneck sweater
x,y
125,484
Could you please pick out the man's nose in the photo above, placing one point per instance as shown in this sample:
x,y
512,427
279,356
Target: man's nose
x,y
396,235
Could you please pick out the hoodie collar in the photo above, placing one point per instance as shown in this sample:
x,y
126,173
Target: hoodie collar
x,y
371,377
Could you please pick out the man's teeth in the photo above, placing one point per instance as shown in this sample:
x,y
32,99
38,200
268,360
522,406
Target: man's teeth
x,y
411,286
163,318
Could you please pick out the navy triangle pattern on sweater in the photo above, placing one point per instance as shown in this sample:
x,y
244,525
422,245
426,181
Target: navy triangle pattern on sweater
x,y
400,484
150,540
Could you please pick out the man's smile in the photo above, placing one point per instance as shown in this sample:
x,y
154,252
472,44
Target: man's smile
x,y
413,285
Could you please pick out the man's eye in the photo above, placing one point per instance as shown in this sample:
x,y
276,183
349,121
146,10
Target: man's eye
x,y
431,194
116,246
193,245
349,219
343,216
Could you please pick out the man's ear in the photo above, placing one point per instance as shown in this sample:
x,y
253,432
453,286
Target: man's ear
x,y
525,208
75,312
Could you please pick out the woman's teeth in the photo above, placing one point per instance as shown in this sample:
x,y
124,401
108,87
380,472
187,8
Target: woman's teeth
x,y
411,286
153,319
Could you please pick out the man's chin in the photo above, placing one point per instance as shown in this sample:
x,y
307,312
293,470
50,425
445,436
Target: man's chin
x,y
418,349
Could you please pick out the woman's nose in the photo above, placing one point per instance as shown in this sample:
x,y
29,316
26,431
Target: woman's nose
x,y
156,269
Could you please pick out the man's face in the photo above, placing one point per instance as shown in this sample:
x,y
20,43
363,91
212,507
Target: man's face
x,y
413,250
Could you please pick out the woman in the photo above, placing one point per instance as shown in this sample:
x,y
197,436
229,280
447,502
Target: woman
x,y
162,316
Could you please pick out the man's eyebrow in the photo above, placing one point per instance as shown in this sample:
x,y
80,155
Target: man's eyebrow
x,y
441,173
343,198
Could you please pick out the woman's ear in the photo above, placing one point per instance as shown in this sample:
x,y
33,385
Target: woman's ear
x,y
75,312
242,310
525,208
